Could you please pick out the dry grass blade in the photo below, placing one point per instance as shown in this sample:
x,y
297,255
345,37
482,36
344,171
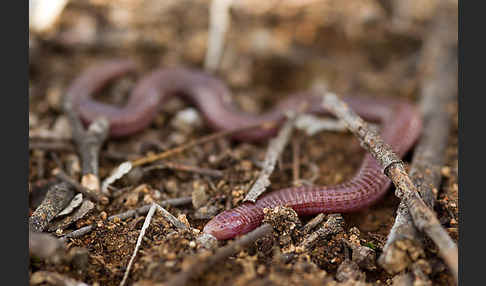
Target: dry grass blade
x,y
202,140
146,224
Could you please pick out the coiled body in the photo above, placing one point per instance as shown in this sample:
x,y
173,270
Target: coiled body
x,y
400,127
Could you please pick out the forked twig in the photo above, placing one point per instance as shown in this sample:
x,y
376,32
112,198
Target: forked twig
x,y
146,224
140,211
153,207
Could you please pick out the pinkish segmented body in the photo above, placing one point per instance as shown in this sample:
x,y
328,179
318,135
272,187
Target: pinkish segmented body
x,y
400,127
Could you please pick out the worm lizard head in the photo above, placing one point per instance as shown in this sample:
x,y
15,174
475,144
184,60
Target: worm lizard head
x,y
226,225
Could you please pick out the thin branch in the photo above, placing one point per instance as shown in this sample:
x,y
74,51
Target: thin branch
x,y
172,219
146,224
313,223
96,196
438,91
206,262
57,198
333,225
168,216
423,218
200,141
186,168
128,214
275,148
127,166
88,143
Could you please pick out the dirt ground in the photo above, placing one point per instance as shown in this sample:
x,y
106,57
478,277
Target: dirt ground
x,y
272,48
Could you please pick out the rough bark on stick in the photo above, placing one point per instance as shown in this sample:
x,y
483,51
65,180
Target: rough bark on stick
x,y
90,193
423,218
57,198
88,143
130,213
404,243
333,225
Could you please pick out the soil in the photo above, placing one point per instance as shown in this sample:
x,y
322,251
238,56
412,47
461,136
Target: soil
x,y
273,48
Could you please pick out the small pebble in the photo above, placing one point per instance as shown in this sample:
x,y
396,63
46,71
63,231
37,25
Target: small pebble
x,y
103,215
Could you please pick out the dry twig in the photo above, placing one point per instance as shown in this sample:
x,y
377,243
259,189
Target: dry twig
x,y
172,219
168,216
185,168
88,143
126,167
202,265
131,213
57,198
275,148
333,225
202,140
146,224
423,218
96,196
313,223
438,91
